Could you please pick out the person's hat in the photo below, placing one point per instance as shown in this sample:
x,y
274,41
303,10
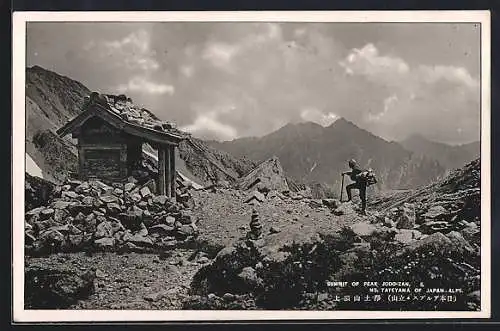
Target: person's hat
x,y
352,162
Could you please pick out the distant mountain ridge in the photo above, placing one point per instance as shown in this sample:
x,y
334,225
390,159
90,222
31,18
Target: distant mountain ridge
x,y
312,153
451,157
308,152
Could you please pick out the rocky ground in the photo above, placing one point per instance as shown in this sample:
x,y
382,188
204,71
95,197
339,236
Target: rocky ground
x,y
251,249
128,281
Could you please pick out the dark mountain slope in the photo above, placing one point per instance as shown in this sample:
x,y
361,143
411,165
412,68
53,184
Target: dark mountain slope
x,y
315,154
451,157
52,100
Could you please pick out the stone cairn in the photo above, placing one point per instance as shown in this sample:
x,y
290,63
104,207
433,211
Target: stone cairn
x,y
255,227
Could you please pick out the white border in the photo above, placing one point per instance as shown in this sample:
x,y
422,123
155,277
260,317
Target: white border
x,y
18,153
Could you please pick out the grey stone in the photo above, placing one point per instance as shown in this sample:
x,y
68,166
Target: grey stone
x,y
145,192
104,229
160,199
129,187
363,229
248,276
105,243
60,204
113,208
108,198
255,195
69,195
406,217
435,212
161,228
169,220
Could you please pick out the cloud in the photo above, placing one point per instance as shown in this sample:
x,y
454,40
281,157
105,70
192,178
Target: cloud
x,y
388,103
142,85
208,126
406,99
187,71
219,54
132,51
316,116
367,61
240,79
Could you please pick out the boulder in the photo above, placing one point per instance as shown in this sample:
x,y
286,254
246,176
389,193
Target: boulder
x,y
74,182
46,213
113,208
459,244
131,179
104,230
363,229
145,192
136,197
160,199
162,229
82,188
105,243
406,217
406,236
143,231
430,227
249,279
60,215
267,176
169,220
472,235
35,211
60,204
88,200
129,187
185,217
69,195
80,218
345,208
116,225
76,207
51,239
438,242
255,196
435,212
29,238
274,229
141,240
108,198
187,230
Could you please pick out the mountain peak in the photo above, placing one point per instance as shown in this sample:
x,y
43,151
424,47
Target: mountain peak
x,y
342,122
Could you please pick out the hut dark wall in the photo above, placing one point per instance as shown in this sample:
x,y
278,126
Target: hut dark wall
x,y
106,152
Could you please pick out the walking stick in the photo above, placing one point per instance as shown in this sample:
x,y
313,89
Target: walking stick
x,y
342,188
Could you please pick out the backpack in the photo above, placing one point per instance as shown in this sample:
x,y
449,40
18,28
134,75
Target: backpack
x,y
368,176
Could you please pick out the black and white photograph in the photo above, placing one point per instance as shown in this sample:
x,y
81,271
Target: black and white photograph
x,y
183,166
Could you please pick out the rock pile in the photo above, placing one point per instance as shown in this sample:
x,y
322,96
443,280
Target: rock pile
x,y
37,191
453,205
255,227
86,215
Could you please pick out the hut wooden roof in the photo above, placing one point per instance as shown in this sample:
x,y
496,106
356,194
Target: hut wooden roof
x,y
120,112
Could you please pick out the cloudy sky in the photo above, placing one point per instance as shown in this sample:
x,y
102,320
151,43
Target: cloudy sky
x,y
229,80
